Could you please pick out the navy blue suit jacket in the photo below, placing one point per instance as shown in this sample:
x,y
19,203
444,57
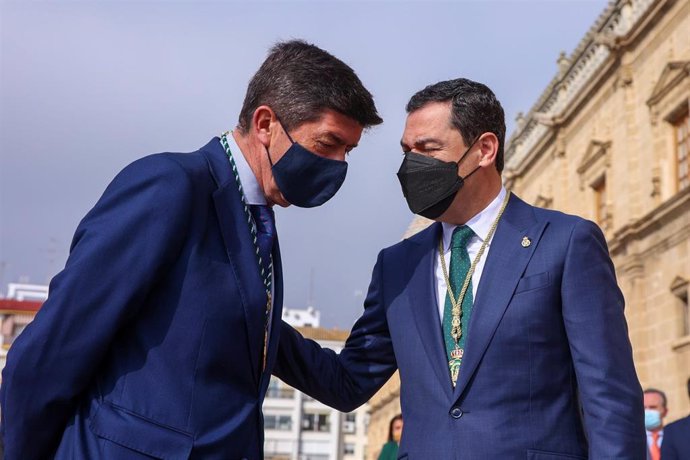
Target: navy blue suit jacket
x,y
150,342
676,442
548,370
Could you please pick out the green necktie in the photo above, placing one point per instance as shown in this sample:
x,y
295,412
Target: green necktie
x,y
459,267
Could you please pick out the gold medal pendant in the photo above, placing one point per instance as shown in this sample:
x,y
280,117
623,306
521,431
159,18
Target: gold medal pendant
x,y
456,331
454,363
265,350
267,275
454,366
457,353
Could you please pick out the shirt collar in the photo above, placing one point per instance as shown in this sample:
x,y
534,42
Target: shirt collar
x,y
480,224
252,191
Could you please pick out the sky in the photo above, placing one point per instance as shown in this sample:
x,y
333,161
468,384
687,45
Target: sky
x,y
87,87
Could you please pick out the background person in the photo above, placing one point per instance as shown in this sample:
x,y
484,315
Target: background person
x,y
676,445
654,412
389,451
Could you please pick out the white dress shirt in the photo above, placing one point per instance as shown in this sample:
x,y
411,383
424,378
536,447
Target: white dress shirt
x,y
480,225
650,439
252,191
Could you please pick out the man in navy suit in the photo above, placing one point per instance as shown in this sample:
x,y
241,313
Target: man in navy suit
x,y
676,445
504,320
159,336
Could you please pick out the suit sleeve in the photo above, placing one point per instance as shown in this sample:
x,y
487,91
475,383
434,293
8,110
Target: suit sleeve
x,y
597,332
120,249
668,443
347,380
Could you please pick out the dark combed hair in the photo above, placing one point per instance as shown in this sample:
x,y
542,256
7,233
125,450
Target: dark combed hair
x,y
299,81
658,392
474,108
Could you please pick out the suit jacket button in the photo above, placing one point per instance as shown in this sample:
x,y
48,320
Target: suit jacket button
x,y
456,412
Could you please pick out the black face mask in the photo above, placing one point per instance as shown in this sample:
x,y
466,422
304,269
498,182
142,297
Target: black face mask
x,y
430,185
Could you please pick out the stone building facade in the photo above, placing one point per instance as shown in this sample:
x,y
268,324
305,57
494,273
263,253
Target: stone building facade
x,y
609,139
383,407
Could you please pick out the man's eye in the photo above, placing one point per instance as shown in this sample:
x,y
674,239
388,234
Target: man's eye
x,y
326,145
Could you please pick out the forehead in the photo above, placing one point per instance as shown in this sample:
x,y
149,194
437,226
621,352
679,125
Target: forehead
x,y
333,123
431,120
653,399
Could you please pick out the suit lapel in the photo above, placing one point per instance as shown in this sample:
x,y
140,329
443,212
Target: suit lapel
x,y
506,262
423,302
240,249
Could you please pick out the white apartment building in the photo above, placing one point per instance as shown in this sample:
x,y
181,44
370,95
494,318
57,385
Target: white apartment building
x,y
27,292
308,317
298,427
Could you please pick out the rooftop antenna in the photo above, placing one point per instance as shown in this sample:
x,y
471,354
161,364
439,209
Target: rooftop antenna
x,y
51,255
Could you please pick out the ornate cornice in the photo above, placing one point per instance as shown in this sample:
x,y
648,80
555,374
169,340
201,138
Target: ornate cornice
x,y
679,286
596,151
674,73
677,206
597,53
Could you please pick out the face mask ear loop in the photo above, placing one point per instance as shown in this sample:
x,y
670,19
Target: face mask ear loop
x,y
286,133
465,154
268,154
284,130
470,174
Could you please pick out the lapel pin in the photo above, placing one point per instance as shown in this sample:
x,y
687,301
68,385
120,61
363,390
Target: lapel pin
x,y
526,242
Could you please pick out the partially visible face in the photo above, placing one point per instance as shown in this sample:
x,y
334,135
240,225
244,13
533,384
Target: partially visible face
x,y
397,429
331,136
654,401
429,131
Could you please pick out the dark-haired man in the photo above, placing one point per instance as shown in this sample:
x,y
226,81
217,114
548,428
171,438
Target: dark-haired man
x,y
676,445
159,336
504,320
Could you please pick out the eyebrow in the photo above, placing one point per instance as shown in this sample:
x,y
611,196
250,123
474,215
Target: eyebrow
x,y
335,138
421,142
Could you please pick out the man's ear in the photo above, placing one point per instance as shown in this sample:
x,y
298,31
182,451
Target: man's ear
x,y
488,146
264,122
